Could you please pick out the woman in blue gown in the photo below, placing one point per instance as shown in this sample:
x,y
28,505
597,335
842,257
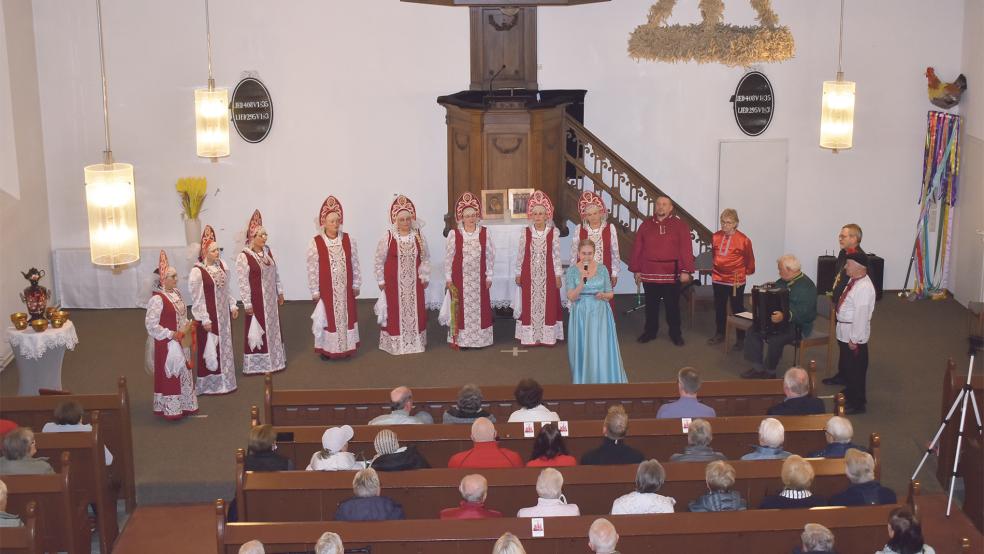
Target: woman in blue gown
x,y
592,344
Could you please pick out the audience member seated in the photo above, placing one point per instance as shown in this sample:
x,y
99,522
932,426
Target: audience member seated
x,y
549,449
698,444
261,452
649,479
864,490
367,504
468,408
334,455
7,520
401,406
18,458
551,501
602,537
905,534
771,436
485,451
797,479
529,395
720,477
68,419
688,383
252,547
815,539
508,544
473,490
613,450
798,401
839,432
329,543
390,456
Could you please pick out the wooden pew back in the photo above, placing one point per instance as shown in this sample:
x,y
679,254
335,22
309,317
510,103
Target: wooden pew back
x,y
573,402
314,495
856,529
24,539
655,438
63,524
116,433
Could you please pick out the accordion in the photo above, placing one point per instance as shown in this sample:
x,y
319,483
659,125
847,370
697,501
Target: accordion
x,y
766,299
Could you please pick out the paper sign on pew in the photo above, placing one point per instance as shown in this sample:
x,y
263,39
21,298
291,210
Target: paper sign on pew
x,y
536,524
685,424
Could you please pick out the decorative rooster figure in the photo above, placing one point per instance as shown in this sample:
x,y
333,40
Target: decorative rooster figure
x,y
945,95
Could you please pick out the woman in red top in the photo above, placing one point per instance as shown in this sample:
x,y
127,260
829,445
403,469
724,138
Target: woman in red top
x,y
733,262
549,449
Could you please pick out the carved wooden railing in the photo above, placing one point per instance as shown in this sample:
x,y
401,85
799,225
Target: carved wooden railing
x,y
591,165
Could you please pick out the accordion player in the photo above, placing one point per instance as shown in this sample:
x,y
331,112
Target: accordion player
x,y
767,299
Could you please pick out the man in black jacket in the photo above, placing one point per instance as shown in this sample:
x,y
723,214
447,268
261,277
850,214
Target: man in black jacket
x,y
612,450
799,401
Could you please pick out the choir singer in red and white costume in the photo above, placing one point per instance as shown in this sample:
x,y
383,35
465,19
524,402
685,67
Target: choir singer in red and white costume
x,y
402,272
468,260
212,305
334,280
540,320
262,294
167,323
595,227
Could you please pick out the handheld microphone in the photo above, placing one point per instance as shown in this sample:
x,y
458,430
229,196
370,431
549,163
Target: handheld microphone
x,y
585,277
496,74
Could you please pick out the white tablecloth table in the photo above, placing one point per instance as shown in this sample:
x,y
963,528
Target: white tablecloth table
x,y
39,356
81,284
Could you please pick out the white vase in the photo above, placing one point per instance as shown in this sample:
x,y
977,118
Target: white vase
x,y
193,231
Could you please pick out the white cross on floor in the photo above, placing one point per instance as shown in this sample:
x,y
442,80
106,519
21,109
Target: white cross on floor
x,y
515,351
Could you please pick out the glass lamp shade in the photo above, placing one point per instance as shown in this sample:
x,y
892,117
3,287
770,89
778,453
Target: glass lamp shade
x,y
112,205
837,115
212,122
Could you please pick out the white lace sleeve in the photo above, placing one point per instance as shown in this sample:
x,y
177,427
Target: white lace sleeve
x,y
522,253
449,255
356,270
489,256
276,273
198,308
424,271
242,274
312,267
232,298
574,241
558,267
152,321
381,248
616,257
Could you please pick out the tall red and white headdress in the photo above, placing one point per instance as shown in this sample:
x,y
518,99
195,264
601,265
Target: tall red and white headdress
x,y
162,267
331,205
587,200
208,239
467,200
255,222
539,199
402,204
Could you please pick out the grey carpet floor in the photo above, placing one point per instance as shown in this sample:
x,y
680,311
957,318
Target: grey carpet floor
x,y
193,460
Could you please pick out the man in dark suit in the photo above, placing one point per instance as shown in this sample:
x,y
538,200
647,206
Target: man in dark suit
x,y
799,401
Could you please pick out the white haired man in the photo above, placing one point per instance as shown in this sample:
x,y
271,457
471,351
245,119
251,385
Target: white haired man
x,y
864,490
252,547
798,401
602,537
771,436
550,501
839,432
802,313
401,406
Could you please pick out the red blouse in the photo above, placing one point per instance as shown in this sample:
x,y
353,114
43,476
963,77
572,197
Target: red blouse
x,y
733,258
561,460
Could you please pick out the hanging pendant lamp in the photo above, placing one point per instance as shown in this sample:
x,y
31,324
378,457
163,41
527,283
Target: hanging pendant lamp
x,y
837,107
110,196
211,111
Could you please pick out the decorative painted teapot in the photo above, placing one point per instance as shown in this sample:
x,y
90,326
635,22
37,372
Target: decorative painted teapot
x,y
35,296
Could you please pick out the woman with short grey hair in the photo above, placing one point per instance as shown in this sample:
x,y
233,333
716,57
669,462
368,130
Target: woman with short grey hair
x,y
551,501
797,479
468,407
18,458
329,543
864,489
698,448
817,538
721,496
508,544
649,479
367,504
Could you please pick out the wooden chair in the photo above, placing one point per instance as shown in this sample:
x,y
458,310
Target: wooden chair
x,y
24,539
824,333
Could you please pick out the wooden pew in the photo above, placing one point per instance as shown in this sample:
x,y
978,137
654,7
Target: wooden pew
x,y
655,438
90,479
24,539
63,524
973,466
114,410
314,495
856,529
952,383
572,402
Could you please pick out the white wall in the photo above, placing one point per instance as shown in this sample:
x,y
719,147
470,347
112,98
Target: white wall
x,y
354,85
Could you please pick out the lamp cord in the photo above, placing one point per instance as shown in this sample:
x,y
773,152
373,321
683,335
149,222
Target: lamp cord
x,y
108,153
208,40
840,45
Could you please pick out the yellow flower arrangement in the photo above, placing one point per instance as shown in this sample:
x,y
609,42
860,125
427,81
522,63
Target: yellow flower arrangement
x,y
192,191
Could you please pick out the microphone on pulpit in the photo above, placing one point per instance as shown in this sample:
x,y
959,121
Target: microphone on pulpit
x,y
492,80
585,277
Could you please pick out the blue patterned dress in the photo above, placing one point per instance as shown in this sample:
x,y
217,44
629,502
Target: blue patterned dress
x,y
592,343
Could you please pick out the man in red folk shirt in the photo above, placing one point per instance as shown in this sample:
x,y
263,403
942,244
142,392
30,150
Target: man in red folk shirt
x,y
662,260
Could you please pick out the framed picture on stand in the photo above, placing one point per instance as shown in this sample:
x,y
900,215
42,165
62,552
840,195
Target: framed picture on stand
x,y
518,200
494,205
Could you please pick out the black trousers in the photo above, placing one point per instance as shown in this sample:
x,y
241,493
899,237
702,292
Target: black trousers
x,y
722,296
670,294
756,343
853,365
